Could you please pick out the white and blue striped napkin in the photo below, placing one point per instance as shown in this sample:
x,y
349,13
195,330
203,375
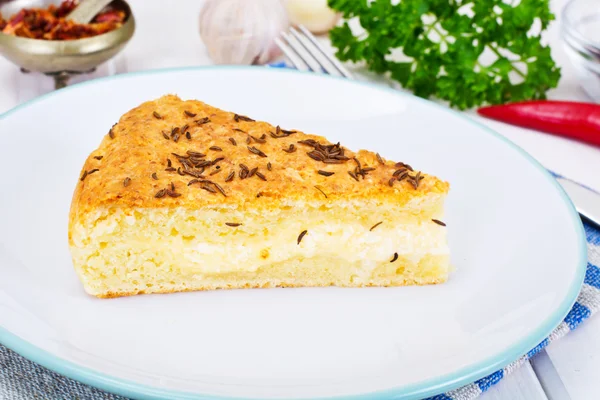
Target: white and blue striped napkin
x,y
587,304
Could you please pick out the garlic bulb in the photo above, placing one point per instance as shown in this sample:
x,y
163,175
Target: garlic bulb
x,y
242,31
315,15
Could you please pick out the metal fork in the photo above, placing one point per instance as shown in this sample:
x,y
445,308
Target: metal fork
x,y
307,54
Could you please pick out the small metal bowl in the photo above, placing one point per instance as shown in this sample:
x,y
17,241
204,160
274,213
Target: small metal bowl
x,y
63,58
581,35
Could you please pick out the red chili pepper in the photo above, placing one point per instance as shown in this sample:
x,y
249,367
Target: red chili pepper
x,y
579,121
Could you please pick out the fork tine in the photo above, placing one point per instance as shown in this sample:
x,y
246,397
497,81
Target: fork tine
x,y
323,61
331,58
295,44
292,55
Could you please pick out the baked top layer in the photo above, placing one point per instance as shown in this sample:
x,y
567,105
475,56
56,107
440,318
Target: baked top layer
x,y
174,153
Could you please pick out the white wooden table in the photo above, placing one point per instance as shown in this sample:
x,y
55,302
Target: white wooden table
x,y
570,368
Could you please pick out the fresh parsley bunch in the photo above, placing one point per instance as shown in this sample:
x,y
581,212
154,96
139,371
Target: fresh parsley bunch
x,y
468,52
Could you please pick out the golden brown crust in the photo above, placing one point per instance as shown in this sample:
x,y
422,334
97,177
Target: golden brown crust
x,y
387,283
120,172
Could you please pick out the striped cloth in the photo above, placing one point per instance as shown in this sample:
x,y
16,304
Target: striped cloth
x,y
587,304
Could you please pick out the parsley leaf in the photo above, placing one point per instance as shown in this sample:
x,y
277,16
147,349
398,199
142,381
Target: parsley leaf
x,y
467,52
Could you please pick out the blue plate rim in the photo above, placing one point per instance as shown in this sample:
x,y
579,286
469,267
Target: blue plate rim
x,y
430,387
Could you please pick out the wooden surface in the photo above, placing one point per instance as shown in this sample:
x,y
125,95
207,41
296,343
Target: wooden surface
x,y
570,368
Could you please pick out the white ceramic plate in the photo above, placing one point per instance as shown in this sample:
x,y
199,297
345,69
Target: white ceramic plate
x,y
516,242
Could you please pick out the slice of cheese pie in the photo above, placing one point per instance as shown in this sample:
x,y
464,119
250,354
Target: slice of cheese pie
x,y
183,196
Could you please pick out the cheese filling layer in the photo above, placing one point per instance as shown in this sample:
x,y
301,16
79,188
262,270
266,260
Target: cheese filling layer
x,y
350,243
202,242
